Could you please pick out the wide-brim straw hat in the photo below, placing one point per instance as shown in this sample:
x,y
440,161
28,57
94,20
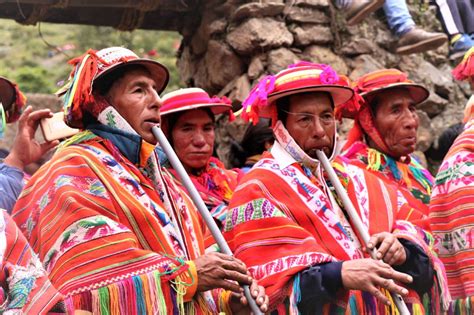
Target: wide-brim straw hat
x,y
296,79
193,98
381,81
308,79
112,58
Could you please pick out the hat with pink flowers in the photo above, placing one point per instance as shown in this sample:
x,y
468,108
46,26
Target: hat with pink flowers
x,y
297,78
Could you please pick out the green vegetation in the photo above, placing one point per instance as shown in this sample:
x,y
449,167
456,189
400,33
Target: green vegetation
x,y
36,56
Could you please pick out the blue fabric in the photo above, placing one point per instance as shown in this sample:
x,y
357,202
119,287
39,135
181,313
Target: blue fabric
x,y
11,184
129,144
398,17
418,266
319,285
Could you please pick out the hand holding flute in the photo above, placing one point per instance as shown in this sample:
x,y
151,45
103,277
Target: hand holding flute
x,y
367,274
223,266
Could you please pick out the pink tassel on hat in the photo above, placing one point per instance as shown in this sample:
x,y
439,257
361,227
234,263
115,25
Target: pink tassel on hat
x,y
223,100
257,98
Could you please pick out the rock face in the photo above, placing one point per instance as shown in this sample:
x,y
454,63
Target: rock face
x,y
256,34
239,41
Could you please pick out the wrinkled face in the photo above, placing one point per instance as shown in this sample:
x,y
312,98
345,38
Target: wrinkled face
x,y
397,121
193,139
135,97
311,122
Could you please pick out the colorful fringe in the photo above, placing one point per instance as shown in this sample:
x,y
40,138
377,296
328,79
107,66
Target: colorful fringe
x,y
77,138
462,306
400,171
148,293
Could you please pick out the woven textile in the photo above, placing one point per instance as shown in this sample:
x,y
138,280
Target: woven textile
x,y
409,176
113,240
24,284
215,185
282,220
452,215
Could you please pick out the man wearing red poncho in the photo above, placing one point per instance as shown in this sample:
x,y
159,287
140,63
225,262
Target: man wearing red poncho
x,y
286,224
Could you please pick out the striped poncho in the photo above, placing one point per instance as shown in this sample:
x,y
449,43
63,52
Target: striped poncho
x,y
281,220
452,218
24,284
215,185
409,176
113,240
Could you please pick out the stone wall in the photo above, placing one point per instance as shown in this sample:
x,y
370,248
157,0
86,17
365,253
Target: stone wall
x,y
237,42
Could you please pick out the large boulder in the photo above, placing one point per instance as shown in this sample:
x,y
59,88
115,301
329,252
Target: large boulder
x,y
258,9
219,66
259,34
306,15
308,34
321,54
279,59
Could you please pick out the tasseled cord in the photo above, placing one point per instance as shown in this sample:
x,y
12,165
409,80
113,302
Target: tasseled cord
x,y
257,99
79,88
377,161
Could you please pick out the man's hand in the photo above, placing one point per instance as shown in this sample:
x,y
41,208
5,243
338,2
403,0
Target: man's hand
x,y
370,275
389,248
239,303
26,149
216,270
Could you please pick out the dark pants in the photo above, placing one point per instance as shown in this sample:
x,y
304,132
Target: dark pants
x,y
456,16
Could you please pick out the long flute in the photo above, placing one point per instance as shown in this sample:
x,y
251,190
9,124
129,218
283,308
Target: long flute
x,y
208,219
356,221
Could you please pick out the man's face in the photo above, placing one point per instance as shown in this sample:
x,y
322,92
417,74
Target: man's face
x,y
135,97
311,122
397,121
193,139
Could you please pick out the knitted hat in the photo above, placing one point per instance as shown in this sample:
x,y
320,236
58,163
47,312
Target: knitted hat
x,y
297,78
465,69
94,65
193,98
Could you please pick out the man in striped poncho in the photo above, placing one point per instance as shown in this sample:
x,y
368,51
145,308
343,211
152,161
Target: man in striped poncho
x,y
285,223
452,205
114,233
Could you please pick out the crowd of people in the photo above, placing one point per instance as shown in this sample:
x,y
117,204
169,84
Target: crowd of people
x,y
106,226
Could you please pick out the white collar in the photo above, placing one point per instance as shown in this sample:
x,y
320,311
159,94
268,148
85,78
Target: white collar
x,y
281,155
